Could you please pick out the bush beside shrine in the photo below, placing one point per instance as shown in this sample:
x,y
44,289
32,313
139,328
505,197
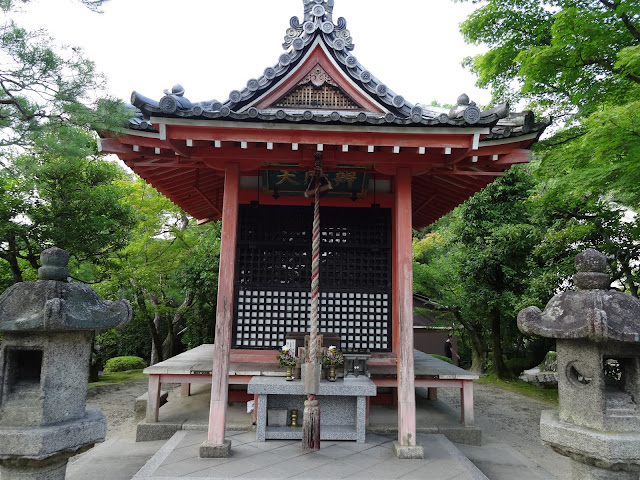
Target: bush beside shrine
x,y
442,357
122,364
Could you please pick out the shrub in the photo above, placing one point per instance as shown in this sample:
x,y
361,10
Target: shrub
x,y
442,357
550,363
517,365
122,364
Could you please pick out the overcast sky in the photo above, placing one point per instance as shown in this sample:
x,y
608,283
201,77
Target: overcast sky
x,y
212,47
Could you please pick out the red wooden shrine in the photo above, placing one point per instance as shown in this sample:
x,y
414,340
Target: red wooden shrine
x,y
379,151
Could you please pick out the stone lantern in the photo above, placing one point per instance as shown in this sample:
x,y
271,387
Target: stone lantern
x,y
48,328
598,345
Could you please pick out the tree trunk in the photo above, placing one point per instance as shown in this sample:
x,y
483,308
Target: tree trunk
x,y
157,355
170,344
499,366
631,285
477,346
12,258
477,351
156,343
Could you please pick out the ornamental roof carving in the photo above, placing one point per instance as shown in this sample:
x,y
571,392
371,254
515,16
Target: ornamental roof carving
x,y
318,28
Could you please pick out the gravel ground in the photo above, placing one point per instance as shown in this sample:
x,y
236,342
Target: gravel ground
x,y
513,419
504,417
116,403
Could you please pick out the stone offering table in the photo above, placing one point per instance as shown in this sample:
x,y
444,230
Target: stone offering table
x,y
343,405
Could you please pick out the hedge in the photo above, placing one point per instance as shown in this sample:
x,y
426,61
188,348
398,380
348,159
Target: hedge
x,y
122,364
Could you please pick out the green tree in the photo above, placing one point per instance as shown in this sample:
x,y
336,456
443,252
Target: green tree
x,y
55,189
50,97
566,55
168,272
74,203
580,62
573,222
437,259
494,232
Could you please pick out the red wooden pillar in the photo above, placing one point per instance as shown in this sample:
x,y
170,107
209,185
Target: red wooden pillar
x,y
403,292
216,446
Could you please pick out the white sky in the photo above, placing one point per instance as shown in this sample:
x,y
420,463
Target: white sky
x,y
212,47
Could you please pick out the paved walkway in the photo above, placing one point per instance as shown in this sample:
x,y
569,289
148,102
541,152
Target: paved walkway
x,y
177,458
278,459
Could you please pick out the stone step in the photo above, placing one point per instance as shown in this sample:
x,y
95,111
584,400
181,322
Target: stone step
x,y
140,405
616,400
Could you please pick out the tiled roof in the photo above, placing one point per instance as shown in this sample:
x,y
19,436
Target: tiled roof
x,y
318,25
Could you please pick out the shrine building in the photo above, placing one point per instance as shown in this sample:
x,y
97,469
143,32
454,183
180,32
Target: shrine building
x,y
393,165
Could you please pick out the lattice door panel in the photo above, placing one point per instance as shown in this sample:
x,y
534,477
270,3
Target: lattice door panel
x,y
274,270
264,317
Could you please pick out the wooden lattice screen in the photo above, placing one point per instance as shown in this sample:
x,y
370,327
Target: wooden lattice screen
x,y
310,96
274,269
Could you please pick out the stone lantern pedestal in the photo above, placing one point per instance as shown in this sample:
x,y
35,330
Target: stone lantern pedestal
x,y
598,345
48,328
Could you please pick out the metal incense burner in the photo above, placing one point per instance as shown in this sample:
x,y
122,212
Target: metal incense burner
x,y
356,363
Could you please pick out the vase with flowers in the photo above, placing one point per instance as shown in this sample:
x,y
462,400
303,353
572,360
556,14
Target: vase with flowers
x,y
286,360
331,359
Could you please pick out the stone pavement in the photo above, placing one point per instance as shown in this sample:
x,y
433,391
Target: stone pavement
x,y
285,459
185,419
275,459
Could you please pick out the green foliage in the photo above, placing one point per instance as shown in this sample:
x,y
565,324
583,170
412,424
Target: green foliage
x,y
74,203
493,230
118,378
550,362
566,56
105,346
442,357
517,365
53,187
122,364
169,273
199,273
598,156
49,97
580,63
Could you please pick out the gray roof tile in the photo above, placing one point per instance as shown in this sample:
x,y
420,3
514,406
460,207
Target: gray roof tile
x,y
318,23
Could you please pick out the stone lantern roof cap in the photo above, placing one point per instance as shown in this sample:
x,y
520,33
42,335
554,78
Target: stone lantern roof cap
x,y
54,304
593,311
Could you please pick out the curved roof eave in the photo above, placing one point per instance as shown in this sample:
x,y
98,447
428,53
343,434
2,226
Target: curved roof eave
x,y
300,38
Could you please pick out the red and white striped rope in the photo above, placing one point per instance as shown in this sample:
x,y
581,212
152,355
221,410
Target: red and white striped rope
x,y
315,266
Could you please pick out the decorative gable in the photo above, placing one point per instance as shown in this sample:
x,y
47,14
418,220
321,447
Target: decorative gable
x,y
317,90
317,83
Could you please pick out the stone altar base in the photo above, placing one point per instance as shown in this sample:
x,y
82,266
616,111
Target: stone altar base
x,y
192,413
343,407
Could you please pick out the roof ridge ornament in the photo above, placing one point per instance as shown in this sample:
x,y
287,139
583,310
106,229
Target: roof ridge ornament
x,y
318,8
318,18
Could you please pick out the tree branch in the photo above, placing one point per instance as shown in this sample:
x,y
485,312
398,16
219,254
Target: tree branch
x,y
624,17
